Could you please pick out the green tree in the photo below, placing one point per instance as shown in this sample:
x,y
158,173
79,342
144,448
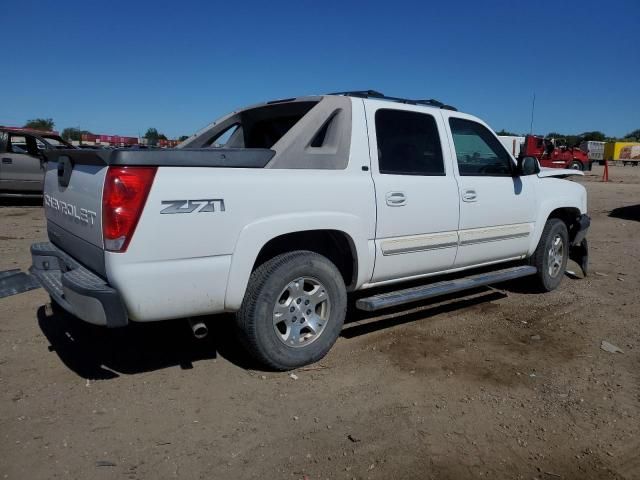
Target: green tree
x,y
71,133
182,138
507,133
152,136
569,140
595,136
45,124
162,136
633,136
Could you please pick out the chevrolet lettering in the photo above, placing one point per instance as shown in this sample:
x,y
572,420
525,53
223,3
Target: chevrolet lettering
x,y
81,215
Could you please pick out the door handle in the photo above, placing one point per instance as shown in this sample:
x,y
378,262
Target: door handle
x,y
469,195
396,199
7,160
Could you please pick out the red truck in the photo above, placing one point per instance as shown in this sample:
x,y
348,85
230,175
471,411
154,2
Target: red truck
x,y
553,153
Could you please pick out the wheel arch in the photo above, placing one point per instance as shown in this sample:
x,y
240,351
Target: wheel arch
x,y
568,214
340,237
336,245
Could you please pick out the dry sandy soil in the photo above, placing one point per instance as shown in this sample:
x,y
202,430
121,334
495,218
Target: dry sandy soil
x,y
496,384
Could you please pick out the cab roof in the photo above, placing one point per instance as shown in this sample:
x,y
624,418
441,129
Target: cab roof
x,y
29,131
373,94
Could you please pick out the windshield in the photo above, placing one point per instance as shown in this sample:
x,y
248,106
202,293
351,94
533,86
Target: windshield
x,y
56,142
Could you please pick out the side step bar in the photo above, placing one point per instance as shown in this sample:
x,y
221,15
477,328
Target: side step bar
x,y
416,294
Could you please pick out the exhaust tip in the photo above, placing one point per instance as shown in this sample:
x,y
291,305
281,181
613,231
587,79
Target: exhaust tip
x,y
199,329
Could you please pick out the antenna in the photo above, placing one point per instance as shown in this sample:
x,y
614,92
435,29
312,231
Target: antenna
x,y
533,107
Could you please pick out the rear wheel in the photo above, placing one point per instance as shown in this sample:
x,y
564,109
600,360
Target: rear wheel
x,y
576,165
293,310
551,255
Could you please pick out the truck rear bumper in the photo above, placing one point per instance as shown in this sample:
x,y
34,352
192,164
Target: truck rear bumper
x,y
75,288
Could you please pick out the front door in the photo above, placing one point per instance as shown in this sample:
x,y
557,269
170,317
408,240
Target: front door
x,y
21,167
416,192
497,209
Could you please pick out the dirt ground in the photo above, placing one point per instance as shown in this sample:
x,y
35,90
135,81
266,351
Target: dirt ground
x,y
499,383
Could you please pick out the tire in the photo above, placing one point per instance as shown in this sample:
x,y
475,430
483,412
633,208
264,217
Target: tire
x,y
551,266
576,165
293,310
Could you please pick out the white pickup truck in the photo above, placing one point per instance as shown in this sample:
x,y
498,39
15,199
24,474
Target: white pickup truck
x,y
278,210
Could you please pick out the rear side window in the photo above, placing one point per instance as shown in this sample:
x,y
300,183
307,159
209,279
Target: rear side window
x,y
17,144
408,143
478,151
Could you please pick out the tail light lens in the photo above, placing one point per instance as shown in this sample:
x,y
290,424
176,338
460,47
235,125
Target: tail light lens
x,y
123,198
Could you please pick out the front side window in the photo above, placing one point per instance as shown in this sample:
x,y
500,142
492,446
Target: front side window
x,y
408,143
478,151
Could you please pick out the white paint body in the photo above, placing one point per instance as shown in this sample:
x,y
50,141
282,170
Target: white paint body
x,y
200,263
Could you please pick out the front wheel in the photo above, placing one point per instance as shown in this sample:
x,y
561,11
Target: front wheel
x,y
293,310
551,255
576,165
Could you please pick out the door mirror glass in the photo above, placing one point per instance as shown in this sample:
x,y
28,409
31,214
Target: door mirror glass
x,y
528,166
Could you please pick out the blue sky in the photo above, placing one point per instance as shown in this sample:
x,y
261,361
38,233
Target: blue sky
x,y
121,67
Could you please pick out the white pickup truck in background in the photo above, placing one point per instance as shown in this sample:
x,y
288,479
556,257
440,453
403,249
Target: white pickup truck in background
x,y
278,210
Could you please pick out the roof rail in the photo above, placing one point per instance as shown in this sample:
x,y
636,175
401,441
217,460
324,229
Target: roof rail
x,y
380,96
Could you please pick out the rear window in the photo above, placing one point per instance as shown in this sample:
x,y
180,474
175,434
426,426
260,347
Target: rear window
x,y
261,127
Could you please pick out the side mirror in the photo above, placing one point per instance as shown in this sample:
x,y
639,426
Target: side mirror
x,y
528,166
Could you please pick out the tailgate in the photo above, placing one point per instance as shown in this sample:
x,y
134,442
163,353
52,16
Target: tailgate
x,y
72,202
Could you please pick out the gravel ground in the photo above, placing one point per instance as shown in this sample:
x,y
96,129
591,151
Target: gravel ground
x,y
496,384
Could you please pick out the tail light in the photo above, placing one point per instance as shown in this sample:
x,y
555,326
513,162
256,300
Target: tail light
x,y
123,198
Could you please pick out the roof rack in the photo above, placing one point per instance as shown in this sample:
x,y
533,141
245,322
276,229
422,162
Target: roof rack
x,y
380,96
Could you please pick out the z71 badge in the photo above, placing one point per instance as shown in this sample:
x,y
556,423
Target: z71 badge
x,y
191,206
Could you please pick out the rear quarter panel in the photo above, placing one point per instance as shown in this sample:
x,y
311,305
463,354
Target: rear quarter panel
x,y
197,263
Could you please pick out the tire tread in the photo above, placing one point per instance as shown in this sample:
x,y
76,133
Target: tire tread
x,y
246,316
540,281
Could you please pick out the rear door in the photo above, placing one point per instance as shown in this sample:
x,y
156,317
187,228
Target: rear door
x,y
416,191
22,168
497,209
